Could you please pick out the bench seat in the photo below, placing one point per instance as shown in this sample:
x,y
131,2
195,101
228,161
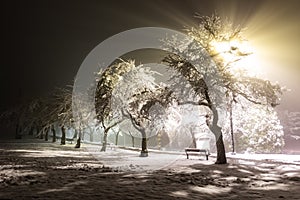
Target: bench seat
x,y
195,151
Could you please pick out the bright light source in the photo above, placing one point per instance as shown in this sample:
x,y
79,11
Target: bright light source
x,y
221,47
238,53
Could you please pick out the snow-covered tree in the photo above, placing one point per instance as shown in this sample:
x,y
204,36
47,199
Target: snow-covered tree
x,y
256,127
107,81
118,88
138,98
86,121
217,83
291,122
21,117
40,114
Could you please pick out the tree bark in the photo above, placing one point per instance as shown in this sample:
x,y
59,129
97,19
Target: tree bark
x,y
221,155
106,129
158,138
63,136
31,130
18,135
144,151
117,138
104,144
132,140
231,127
78,142
92,136
37,132
53,134
194,144
46,134
42,134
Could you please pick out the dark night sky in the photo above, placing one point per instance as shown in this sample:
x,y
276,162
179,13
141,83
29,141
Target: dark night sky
x,y
45,42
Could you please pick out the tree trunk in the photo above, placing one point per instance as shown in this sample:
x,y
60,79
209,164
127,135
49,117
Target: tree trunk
x,y
46,134
37,132
53,134
132,139
221,155
144,152
104,140
41,134
158,138
18,135
231,127
31,130
194,143
91,134
78,142
117,138
63,136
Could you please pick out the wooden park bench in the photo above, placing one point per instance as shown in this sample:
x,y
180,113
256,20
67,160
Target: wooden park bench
x,y
194,151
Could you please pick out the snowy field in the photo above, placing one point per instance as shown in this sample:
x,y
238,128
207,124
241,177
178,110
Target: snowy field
x,y
34,169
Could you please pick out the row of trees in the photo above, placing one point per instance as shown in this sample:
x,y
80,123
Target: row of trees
x,y
41,115
128,96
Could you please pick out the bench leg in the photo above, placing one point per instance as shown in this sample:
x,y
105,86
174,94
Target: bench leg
x,y
187,156
206,157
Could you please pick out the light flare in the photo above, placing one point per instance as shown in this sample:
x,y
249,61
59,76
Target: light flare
x,y
239,54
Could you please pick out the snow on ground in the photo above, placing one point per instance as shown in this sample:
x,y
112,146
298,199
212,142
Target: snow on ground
x,y
34,169
123,159
129,159
283,158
